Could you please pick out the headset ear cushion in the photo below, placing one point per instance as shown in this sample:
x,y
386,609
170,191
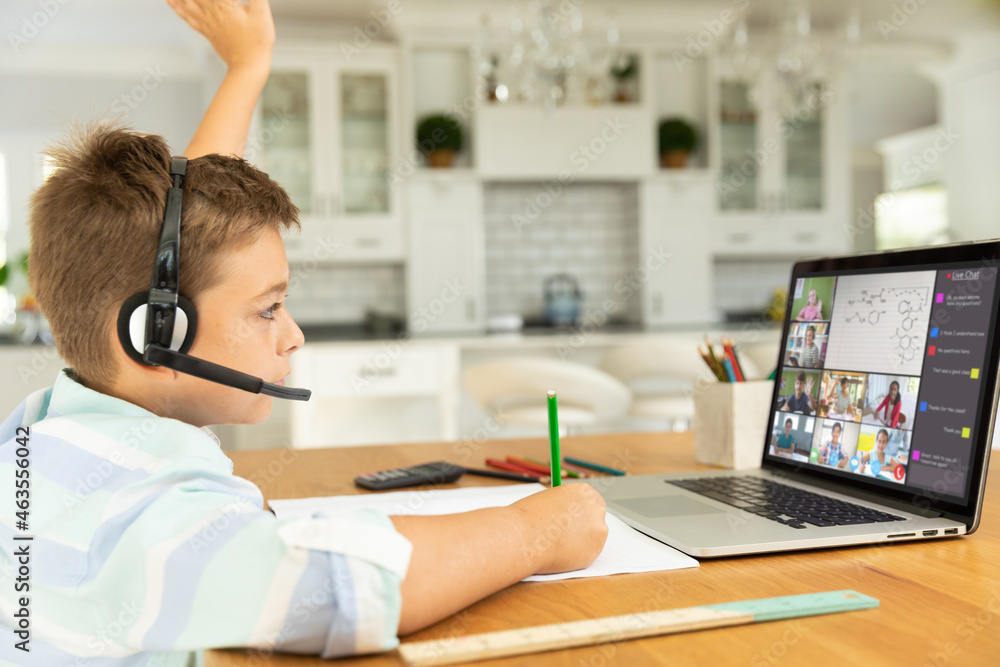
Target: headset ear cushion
x,y
131,326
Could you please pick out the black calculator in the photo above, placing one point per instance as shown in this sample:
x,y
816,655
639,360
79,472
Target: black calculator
x,y
438,472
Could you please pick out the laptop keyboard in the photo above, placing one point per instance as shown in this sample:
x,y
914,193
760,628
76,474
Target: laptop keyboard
x,y
784,504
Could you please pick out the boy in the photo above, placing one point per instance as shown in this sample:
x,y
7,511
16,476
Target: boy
x,y
144,545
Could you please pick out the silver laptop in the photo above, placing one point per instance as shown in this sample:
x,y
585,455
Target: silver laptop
x,y
881,420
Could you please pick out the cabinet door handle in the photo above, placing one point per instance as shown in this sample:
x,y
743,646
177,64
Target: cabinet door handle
x,y
368,242
739,238
366,371
470,309
805,237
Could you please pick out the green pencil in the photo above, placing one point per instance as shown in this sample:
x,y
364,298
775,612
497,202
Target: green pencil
x,y
554,459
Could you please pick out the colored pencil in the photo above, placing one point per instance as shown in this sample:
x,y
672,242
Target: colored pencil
x,y
565,471
711,366
593,466
554,458
728,365
736,360
711,352
727,348
524,463
512,467
574,468
512,476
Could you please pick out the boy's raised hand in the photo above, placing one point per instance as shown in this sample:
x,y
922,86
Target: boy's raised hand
x,y
241,33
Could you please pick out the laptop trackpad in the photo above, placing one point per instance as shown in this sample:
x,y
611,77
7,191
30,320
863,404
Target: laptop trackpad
x,y
672,505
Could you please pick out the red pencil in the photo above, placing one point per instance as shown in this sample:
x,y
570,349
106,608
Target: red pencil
x,y
727,345
534,467
512,467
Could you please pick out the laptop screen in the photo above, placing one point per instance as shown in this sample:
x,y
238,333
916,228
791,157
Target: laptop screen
x,y
884,373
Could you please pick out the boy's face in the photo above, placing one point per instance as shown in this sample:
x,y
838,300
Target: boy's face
x,y
242,324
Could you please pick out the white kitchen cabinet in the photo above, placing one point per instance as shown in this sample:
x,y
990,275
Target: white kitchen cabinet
x,y
614,141
397,390
327,129
445,272
675,256
783,182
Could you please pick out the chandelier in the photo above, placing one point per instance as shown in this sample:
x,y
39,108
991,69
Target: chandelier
x,y
790,62
545,55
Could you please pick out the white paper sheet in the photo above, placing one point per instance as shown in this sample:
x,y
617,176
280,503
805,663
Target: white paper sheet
x,y
627,550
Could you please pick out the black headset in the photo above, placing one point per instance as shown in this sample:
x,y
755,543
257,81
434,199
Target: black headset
x,y
157,328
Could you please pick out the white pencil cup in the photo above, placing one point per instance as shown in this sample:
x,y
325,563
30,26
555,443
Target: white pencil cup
x,y
730,423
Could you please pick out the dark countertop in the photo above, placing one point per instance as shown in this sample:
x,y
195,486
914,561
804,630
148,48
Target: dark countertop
x,y
346,332
318,333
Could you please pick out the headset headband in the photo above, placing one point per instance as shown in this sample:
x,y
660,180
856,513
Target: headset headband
x,y
163,288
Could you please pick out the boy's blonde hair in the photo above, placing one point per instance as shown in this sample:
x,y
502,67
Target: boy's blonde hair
x,y
95,225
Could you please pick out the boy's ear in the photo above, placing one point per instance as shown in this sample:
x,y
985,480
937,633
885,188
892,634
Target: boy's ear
x,y
131,326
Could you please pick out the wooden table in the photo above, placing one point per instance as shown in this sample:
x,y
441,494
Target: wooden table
x,y
940,600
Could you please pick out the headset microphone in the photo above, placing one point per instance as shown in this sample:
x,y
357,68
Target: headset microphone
x,y
157,328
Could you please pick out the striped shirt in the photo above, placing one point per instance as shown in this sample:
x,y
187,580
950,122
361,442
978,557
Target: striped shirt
x,y
809,356
146,548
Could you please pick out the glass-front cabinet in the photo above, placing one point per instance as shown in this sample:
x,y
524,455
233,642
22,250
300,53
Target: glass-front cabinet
x,y
783,156
771,158
327,130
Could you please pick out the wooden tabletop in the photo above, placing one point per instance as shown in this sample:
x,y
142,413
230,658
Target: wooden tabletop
x,y
940,600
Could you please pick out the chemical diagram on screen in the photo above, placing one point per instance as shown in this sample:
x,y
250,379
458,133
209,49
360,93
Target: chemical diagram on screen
x,y
871,307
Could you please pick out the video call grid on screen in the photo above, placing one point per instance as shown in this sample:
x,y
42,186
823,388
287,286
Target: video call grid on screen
x,y
891,365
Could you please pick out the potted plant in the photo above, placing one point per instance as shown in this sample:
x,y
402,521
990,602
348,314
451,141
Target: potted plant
x,y
439,137
677,139
624,70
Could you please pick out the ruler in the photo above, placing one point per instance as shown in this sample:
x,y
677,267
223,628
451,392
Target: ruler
x,y
631,626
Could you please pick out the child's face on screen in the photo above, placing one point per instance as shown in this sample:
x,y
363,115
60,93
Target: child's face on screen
x,y
812,297
242,324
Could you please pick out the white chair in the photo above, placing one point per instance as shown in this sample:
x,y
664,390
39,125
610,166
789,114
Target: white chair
x,y
661,375
513,390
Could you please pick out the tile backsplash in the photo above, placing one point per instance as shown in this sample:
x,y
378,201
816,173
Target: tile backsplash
x,y
588,230
745,285
342,294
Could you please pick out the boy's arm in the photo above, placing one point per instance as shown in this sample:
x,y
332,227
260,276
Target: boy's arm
x,y
243,36
458,559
